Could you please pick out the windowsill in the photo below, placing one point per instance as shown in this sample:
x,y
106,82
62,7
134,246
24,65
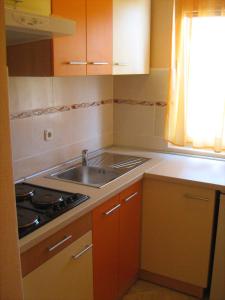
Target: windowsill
x,y
196,152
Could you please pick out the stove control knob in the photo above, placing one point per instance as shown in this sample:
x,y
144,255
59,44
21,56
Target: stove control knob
x,y
71,199
57,207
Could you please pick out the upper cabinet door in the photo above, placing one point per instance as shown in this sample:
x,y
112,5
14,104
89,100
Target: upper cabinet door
x,y
69,53
39,7
131,36
99,37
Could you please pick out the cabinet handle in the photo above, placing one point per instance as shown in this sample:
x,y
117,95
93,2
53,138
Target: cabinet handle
x,y
73,62
59,243
82,252
131,197
189,196
112,210
120,64
98,63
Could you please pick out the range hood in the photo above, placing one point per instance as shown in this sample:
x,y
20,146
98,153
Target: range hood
x,y
22,27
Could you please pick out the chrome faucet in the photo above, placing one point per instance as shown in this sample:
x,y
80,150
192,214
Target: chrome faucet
x,y
85,157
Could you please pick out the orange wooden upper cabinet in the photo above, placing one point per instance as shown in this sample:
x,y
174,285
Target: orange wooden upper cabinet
x,y
111,37
116,239
69,53
99,36
89,51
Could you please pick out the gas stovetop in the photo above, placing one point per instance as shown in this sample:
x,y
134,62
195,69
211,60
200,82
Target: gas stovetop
x,y
37,206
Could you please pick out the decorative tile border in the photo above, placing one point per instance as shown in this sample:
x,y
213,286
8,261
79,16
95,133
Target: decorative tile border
x,y
63,108
57,109
140,102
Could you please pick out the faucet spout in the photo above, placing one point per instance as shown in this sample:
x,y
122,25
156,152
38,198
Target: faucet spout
x,y
85,157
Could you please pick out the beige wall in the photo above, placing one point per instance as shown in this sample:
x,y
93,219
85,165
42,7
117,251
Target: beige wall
x,y
161,24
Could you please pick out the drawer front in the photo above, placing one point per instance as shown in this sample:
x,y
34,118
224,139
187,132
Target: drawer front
x,y
67,275
131,192
49,247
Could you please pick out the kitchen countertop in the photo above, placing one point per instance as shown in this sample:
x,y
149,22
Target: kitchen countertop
x,y
175,168
209,173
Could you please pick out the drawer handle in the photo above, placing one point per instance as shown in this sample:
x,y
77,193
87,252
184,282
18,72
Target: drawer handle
x,y
131,197
189,196
109,212
73,62
82,252
59,243
120,64
97,63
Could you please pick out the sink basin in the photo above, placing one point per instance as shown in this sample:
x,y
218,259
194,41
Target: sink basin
x,y
101,169
88,175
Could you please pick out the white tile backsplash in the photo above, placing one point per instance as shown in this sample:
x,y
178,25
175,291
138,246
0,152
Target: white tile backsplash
x,y
140,125
159,121
27,93
94,127
22,138
32,164
153,87
73,130
132,120
82,89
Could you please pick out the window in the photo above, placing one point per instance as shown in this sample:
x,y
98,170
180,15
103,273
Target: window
x,y
196,114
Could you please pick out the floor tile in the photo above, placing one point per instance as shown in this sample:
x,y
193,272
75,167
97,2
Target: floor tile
x,y
143,290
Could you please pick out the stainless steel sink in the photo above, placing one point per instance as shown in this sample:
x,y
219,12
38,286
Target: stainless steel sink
x,y
100,170
92,176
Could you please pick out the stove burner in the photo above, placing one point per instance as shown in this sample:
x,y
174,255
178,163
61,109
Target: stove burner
x,y
47,199
27,219
24,191
41,205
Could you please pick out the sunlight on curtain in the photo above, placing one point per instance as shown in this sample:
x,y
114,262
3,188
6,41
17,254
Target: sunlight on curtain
x,y
196,108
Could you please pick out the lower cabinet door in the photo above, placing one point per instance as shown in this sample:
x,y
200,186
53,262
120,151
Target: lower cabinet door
x,y
177,232
66,276
106,249
130,227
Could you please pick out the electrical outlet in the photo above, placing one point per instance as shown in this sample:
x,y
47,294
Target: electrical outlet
x,y
48,134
